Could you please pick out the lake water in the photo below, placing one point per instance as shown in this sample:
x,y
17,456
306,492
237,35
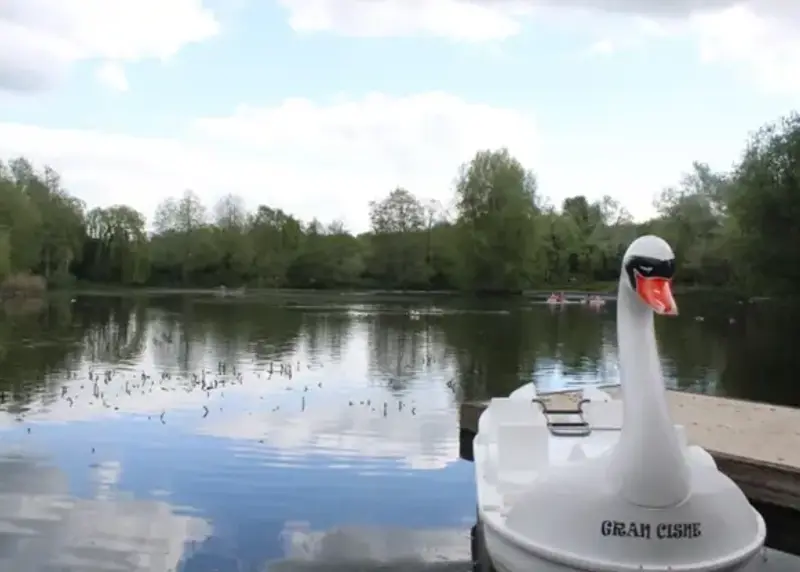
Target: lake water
x,y
204,434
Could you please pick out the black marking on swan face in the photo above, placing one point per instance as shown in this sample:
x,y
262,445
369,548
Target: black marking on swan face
x,y
648,267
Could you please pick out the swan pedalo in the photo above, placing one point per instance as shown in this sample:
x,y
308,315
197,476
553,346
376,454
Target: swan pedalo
x,y
616,488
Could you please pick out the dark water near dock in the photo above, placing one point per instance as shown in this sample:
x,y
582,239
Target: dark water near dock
x,y
203,434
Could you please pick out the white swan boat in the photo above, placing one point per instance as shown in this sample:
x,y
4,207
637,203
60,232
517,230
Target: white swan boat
x,y
591,493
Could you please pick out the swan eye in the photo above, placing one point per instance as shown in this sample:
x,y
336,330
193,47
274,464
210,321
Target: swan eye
x,y
648,267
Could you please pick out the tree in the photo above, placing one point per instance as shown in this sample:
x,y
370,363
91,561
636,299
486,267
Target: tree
x,y
234,245
764,201
116,246
276,238
181,224
497,213
21,219
398,253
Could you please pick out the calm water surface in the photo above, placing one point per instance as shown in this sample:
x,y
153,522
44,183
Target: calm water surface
x,y
202,434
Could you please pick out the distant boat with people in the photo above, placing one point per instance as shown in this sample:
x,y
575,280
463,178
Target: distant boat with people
x,y
559,298
595,301
225,292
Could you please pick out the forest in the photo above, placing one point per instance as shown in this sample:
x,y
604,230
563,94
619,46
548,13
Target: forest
x,y
738,230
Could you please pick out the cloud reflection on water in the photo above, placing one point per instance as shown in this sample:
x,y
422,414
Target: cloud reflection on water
x,y
423,441
43,527
320,408
376,547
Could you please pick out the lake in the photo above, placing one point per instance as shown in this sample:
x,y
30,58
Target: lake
x,y
206,434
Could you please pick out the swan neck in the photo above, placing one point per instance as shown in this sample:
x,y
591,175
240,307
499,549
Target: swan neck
x,y
648,461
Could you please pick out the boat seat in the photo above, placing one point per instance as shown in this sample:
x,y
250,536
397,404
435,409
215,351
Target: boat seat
x,y
521,447
505,410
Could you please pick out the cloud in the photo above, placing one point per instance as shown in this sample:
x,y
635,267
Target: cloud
x,y
45,528
603,48
760,37
757,39
457,19
764,44
401,17
40,39
308,157
112,76
676,9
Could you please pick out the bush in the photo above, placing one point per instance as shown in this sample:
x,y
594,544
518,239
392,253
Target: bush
x,y
22,285
23,306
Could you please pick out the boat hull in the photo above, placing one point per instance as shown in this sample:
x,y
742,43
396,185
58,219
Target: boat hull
x,y
506,556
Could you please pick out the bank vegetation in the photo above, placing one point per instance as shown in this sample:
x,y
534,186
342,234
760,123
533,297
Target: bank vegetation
x,y
738,229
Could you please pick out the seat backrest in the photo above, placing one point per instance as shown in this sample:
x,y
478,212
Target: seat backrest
x,y
514,410
521,447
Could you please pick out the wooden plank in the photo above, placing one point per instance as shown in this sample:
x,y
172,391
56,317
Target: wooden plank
x,y
740,429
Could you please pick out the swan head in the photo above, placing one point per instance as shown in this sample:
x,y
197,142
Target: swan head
x,y
647,269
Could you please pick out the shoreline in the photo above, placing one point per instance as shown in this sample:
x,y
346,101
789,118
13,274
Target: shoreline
x,y
605,290
249,293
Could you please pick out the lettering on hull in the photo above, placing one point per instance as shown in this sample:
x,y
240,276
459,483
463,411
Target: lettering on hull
x,y
648,530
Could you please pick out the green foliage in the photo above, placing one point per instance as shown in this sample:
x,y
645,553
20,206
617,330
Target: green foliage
x,y
764,202
497,219
739,229
22,285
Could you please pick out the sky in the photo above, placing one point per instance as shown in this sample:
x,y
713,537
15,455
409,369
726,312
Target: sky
x,y
320,106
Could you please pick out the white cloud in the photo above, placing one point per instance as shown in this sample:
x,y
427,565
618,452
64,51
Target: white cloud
x,y
39,39
112,76
758,39
44,527
604,47
763,44
762,37
458,19
310,158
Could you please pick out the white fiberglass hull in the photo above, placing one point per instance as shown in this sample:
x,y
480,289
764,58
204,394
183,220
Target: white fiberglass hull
x,y
515,449
508,557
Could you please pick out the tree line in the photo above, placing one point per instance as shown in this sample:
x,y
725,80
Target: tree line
x,y
737,229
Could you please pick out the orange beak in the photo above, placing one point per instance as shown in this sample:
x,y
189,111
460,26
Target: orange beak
x,y
657,293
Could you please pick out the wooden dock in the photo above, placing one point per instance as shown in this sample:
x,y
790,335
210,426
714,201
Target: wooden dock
x,y
757,445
